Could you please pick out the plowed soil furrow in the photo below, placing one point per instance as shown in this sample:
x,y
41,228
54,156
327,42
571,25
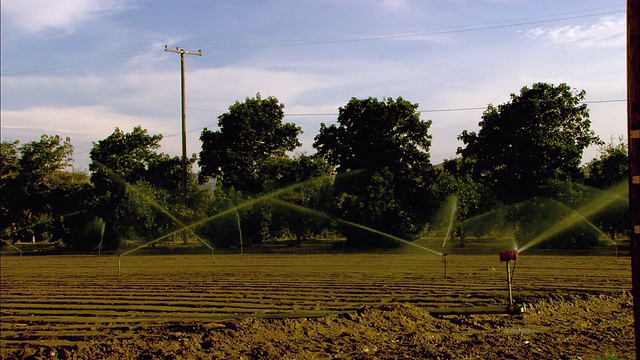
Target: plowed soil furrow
x,y
64,300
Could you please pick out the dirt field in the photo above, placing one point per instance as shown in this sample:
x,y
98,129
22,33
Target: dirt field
x,y
347,306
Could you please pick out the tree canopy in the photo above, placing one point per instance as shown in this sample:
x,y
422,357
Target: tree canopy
x,y
128,155
249,135
538,136
610,167
374,134
137,188
518,174
381,151
35,192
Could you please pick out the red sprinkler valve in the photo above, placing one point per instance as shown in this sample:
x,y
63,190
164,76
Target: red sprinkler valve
x,y
511,255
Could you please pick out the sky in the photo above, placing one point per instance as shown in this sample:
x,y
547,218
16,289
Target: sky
x,y
81,68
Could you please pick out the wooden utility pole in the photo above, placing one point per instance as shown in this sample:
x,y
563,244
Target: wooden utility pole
x,y
182,52
633,115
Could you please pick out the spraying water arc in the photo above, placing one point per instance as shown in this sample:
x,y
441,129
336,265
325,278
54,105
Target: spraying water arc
x,y
349,223
595,206
454,209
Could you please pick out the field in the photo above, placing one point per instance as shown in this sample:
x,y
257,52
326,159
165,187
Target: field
x,y
366,306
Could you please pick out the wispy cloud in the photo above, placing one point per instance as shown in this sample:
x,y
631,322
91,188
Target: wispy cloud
x,y
92,122
607,32
394,4
37,16
85,125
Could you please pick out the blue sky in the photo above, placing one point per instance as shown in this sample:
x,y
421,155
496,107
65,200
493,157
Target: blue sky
x,y
81,68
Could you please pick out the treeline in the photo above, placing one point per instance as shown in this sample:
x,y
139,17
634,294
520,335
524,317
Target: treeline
x,y
370,181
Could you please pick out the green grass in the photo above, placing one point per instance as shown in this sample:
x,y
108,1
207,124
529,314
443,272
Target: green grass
x,y
611,356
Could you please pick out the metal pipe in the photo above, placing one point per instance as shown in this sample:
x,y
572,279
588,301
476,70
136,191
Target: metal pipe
x,y
509,310
509,283
444,262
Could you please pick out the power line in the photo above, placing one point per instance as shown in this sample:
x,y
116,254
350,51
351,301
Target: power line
x,y
419,111
75,64
336,114
417,33
117,57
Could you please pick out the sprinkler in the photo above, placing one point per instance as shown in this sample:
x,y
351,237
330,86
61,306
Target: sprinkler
x,y
444,264
511,309
508,257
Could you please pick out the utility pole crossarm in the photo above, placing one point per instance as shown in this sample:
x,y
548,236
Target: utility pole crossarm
x,y
182,51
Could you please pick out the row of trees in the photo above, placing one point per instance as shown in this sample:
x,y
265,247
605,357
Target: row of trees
x,y
370,179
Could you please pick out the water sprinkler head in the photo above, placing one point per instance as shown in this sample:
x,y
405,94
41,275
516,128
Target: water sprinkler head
x,y
511,255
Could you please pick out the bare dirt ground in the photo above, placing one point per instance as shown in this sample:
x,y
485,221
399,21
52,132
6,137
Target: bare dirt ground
x,y
346,306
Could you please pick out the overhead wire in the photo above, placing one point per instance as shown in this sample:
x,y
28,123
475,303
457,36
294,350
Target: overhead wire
x,y
416,33
81,62
111,58
419,111
336,114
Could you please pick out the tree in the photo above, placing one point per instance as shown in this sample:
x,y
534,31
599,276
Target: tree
x,y
538,136
551,224
311,174
381,151
127,155
138,188
476,210
610,168
35,192
222,230
9,156
249,135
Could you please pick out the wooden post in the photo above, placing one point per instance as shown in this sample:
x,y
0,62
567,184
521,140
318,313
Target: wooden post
x,y
633,115
184,128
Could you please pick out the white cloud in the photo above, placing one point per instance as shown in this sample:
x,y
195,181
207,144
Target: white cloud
x,y
83,124
151,98
90,121
607,32
394,4
36,16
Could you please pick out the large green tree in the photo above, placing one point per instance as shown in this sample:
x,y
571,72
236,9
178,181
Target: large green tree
x,y
381,152
250,134
304,204
603,173
35,190
536,137
475,209
138,188
610,167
